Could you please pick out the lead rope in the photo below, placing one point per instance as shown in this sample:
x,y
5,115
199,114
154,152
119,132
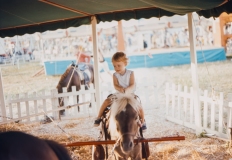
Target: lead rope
x,y
115,145
68,135
203,55
210,82
75,66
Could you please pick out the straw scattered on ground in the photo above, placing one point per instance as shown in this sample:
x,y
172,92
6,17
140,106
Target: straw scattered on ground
x,y
217,75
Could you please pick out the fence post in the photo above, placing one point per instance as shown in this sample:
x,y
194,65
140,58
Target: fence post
x,y
65,100
212,120
179,102
205,114
54,102
84,108
18,106
74,109
35,106
192,106
220,122
44,101
229,118
2,99
167,99
27,106
173,100
155,91
185,103
93,102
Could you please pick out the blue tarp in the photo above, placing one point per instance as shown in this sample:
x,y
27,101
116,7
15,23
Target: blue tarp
x,y
144,61
56,67
172,58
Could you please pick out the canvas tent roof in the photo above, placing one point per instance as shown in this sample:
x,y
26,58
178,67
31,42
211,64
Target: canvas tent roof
x,y
29,16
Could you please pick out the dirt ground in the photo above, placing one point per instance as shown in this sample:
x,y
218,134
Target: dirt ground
x,y
216,75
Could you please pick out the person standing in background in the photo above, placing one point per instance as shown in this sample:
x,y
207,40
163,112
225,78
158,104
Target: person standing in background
x,y
81,57
103,64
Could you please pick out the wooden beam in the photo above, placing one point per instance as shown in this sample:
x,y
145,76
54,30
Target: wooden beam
x,y
73,144
65,7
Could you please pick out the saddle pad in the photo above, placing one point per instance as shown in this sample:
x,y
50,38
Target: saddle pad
x,y
81,73
88,73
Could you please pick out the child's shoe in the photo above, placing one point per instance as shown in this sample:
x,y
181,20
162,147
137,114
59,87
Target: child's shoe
x,y
144,127
97,122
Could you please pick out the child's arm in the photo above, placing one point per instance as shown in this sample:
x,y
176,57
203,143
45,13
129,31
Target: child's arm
x,y
130,88
117,86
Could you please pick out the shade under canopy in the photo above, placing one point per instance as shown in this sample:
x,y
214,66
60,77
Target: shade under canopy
x,y
30,16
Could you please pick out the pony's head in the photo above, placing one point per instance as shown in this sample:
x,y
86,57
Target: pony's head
x,y
19,145
124,120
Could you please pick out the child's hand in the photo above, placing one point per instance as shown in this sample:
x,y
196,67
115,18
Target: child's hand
x,y
127,90
122,90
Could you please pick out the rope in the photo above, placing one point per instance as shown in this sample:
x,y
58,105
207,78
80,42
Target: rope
x,y
210,82
209,79
69,137
115,145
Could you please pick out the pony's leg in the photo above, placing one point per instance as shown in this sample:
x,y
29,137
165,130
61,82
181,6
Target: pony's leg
x,y
61,104
78,107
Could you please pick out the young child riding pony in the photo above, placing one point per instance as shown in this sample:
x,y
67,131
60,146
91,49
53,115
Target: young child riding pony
x,y
124,82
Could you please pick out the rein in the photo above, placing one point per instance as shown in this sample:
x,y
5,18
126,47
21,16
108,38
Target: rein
x,y
68,83
73,70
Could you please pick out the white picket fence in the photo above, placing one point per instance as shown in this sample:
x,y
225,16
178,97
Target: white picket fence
x,y
32,107
216,117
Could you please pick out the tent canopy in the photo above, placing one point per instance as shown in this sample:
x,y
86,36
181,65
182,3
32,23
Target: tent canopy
x,y
30,16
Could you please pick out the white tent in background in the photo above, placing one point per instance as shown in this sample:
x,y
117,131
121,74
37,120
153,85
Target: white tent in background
x,y
2,46
156,23
107,25
130,23
84,30
59,33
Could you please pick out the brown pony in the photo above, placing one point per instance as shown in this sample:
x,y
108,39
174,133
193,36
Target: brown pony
x,y
124,126
21,146
74,77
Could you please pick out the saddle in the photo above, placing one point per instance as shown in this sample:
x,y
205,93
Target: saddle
x,y
83,72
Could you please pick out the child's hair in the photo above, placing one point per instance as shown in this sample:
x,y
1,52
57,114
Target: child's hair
x,y
120,57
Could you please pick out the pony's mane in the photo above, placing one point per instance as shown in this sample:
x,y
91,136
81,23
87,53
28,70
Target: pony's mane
x,y
63,76
119,105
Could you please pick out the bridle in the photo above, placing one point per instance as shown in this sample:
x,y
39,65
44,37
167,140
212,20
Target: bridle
x,y
119,138
135,135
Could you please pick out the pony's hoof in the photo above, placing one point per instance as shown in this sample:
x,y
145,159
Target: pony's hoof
x,y
62,113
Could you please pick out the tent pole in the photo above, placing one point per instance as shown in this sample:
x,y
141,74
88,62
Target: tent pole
x,y
2,99
96,63
121,45
195,83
